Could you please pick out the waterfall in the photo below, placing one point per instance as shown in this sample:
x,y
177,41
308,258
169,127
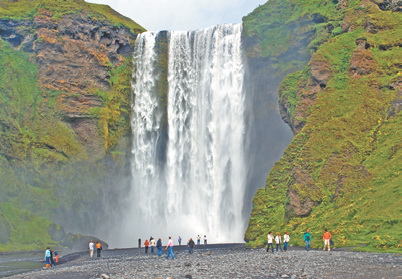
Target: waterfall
x,y
189,149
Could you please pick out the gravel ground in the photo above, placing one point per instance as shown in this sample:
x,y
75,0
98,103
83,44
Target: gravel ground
x,y
224,261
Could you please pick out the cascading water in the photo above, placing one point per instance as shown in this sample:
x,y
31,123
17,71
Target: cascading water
x,y
188,158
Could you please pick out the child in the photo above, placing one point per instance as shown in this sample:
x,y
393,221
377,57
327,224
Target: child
x,y
56,260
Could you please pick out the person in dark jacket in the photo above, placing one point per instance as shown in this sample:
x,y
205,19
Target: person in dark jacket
x,y
51,258
159,246
190,245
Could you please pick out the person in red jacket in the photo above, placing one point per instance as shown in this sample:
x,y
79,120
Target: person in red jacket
x,y
327,237
146,244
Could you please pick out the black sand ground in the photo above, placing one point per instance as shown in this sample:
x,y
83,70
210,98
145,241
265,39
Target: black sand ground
x,y
224,261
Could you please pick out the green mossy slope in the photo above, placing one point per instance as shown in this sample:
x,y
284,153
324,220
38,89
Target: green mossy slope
x,y
47,176
27,9
343,169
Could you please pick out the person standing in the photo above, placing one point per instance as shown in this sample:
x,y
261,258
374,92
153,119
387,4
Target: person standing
x,y
47,257
56,258
169,247
286,239
205,240
190,245
146,244
198,240
270,242
278,241
91,247
51,258
326,237
159,246
307,239
153,244
98,249
179,240
139,242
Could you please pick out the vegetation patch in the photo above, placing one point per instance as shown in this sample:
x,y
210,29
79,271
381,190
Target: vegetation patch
x,y
342,170
46,169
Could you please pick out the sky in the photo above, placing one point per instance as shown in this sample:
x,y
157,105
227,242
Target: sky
x,y
182,15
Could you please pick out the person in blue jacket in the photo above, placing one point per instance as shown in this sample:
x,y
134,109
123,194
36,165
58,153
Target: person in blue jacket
x,y
307,239
47,257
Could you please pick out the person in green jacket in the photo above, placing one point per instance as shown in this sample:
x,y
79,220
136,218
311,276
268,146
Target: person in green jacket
x,y
307,239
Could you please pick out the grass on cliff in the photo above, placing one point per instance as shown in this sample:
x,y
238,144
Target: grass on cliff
x,y
115,113
27,232
28,9
33,141
346,159
274,22
288,32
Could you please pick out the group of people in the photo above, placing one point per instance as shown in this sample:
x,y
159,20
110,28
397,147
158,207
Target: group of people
x,y
153,244
92,247
278,242
199,240
51,258
326,237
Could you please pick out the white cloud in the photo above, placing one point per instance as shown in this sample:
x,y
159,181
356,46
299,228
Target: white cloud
x,y
158,15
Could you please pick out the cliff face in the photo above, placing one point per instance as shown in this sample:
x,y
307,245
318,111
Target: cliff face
x,y
65,84
74,56
342,170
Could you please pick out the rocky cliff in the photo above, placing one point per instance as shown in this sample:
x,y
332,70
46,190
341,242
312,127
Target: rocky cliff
x,y
342,171
64,138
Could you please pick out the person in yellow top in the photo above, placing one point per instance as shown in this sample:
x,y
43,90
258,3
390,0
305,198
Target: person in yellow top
x,y
327,237
98,249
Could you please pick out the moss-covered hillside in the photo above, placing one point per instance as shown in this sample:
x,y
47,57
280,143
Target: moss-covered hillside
x,y
28,9
65,72
343,169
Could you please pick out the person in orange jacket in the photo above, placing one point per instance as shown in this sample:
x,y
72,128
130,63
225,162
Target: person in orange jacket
x,y
98,249
146,244
327,237
56,258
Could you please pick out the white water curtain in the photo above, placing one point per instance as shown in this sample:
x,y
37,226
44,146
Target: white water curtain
x,y
189,179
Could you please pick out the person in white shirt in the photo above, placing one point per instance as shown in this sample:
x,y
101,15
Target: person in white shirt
x,y
286,239
278,241
169,247
91,248
153,245
270,242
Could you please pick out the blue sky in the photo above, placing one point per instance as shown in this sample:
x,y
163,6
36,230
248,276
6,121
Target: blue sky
x,y
156,15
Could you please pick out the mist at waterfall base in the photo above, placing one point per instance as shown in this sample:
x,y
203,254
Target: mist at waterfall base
x,y
204,139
